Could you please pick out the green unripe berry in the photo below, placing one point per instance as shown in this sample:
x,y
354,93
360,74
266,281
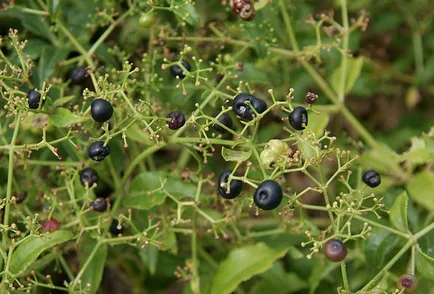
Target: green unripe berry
x,y
146,19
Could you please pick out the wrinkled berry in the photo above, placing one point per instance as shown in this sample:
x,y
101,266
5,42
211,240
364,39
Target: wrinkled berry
x,y
225,120
177,71
78,75
99,204
88,176
50,225
335,250
97,151
101,110
268,195
298,118
371,178
245,111
115,230
177,120
310,98
408,282
244,8
19,196
33,99
236,186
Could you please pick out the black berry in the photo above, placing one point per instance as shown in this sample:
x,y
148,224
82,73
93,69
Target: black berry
x,y
177,120
224,119
88,176
99,204
371,178
335,250
268,195
78,75
236,186
408,282
115,229
19,196
177,71
33,99
101,110
298,118
97,151
245,111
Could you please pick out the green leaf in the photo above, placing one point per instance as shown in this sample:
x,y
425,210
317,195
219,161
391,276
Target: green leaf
x,y
150,258
187,13
420,189
382,158
424,264
235,155
29,250
48,60
93,273
169,242
144,183
378,247
320,272
317,124
63,117
242,264
398,212
277,281
136,134
354,68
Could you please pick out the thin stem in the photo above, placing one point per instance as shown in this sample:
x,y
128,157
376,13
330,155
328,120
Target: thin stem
x,y
345,277
195,283
378,225
343,77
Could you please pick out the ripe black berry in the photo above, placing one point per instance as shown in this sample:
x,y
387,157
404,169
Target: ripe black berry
x,y
177,71
101,110
268,195
78,75
115,230
335,250
19,196
236,186
245,111
88,176
97,151
298,118
224,119
371,178
177,120
99,204
33,99
408,282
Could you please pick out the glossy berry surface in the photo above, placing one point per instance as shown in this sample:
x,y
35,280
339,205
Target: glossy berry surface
x,y
408,282
146,19
244,110
335,250
235,188
115,230
371,178
78,75
33,98
99,204
224,119
268,195
88,176
50,225
298,118
177,71
101,110
177,120
97,151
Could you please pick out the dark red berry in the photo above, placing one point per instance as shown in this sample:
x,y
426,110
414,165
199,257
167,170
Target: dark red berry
x,y
115,229
310,98
244,110
33,99
99,204
244,8
268,195
177,71
19,196
101,110
50,225
408,282
177,120
88,176
335,250
78,75
225,120
371,178
97,151
219,77
235,187
298,118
